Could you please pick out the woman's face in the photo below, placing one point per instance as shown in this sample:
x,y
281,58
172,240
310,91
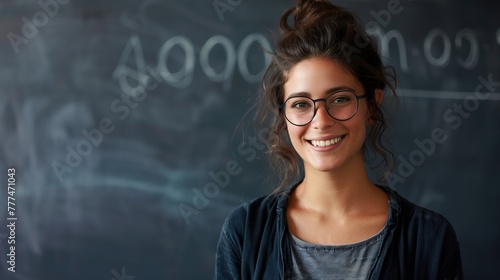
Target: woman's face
x,y
326,144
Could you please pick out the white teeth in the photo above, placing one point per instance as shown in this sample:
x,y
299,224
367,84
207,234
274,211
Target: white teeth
x,y
325,143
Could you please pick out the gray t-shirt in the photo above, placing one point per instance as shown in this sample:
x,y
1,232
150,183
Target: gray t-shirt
x,y
325,262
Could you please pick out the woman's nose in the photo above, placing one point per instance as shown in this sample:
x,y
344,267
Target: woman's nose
x,y
322,118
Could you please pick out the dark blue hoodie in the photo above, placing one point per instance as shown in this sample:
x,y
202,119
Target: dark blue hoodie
x,y
419,244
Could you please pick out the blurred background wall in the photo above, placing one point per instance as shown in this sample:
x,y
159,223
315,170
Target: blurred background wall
x,y
129,126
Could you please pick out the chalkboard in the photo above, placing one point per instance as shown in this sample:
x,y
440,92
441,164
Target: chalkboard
x,y
127,131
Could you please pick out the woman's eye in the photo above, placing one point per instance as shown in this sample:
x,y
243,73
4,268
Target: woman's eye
x,y
340,99
300,105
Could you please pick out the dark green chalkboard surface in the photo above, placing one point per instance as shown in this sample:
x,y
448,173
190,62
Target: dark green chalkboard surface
x,y
128,125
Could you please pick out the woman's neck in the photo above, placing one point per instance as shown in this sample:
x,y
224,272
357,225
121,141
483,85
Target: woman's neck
x,y
346,190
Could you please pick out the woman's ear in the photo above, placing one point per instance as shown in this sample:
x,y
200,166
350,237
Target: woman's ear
x,y
379,96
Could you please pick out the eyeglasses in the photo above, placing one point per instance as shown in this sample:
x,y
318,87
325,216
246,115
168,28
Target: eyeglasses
x,y
340,105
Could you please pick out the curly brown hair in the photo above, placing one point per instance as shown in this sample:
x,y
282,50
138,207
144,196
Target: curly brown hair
x,y
321,29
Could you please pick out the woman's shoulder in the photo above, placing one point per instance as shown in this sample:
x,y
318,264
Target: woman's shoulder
x,y
420,232
414,217
412,210
263,207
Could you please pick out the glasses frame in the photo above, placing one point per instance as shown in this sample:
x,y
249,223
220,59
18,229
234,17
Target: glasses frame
x,y
358,97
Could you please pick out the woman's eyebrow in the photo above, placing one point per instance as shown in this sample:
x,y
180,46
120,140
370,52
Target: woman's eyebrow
x,y
300,93
337,89
327,92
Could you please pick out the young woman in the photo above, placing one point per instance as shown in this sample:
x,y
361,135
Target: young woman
x,y
322,98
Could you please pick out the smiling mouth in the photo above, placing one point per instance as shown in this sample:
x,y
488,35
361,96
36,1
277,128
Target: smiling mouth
x,y
326,143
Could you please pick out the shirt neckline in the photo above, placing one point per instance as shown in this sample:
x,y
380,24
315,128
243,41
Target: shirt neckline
x,y
297,242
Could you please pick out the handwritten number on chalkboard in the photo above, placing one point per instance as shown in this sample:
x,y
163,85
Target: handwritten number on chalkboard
x,y
243,56
471,61
444,58
226,74
124,73
464,34
184,76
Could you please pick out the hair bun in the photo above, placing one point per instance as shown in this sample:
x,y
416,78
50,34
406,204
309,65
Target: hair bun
x,y
305,13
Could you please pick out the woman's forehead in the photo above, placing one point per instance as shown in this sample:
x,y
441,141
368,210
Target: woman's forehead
x,y
319,76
